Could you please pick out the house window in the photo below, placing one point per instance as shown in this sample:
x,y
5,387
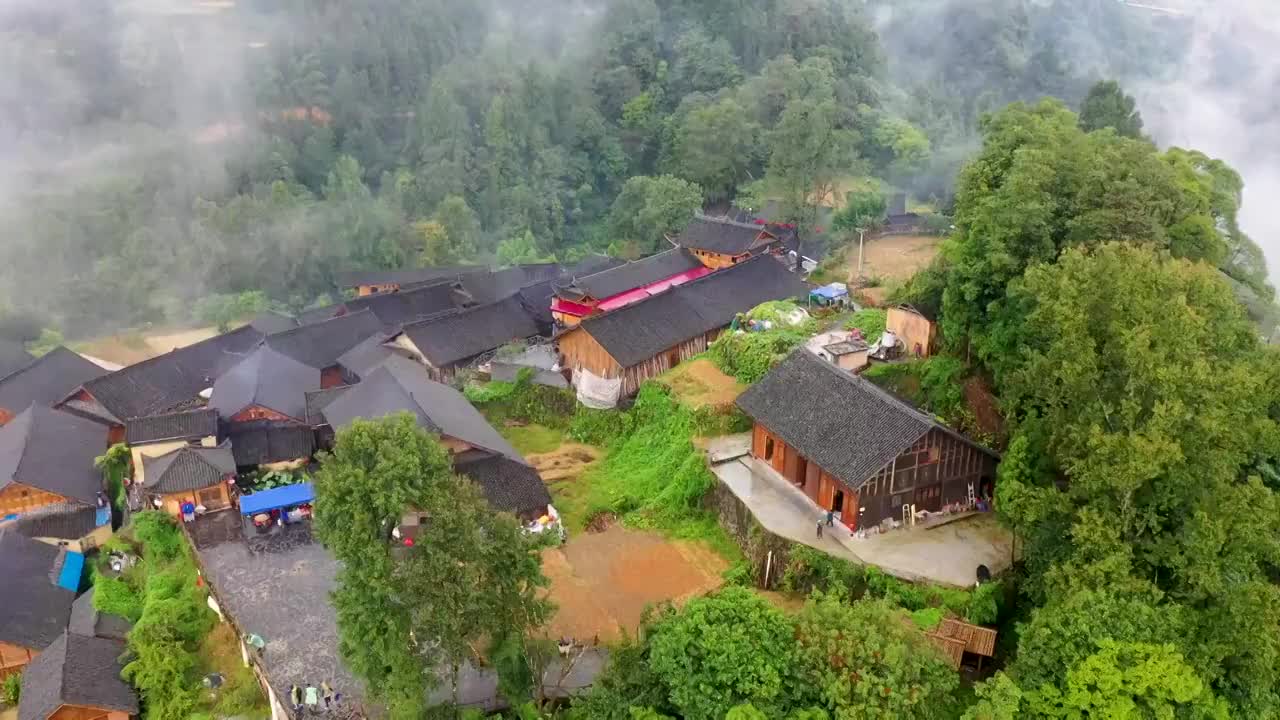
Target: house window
x,y
768,448
935,452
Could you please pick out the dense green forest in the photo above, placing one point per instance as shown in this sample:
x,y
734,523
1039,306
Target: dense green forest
x,y
162,157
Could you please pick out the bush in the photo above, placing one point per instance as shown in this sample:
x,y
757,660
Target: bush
x,y
747,356
870,322
159,535
11,689
114,596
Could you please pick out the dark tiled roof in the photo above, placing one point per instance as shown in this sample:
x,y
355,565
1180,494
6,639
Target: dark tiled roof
x,y
590,265
188,468
268,379
455,338
171,380
719,235
13,357
508,485
64,521
496,285
260,443
637,332
183,425
406,306
402,385
269,322
405,277
318,400
321,344
630,276
319,314
33,610
46,380
79,671
843,422
86,620
53,451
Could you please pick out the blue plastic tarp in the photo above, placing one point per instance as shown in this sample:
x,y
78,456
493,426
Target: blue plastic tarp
x,y
72,566
276,498
830,292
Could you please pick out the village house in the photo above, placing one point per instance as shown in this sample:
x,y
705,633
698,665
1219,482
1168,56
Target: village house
x,y
161,434
448,343
201,476
721,242
581,296
857,450
320,344
269,322
44,381
265,385
34,607
46,459
86,620
478,450
77,678
645,339
917,332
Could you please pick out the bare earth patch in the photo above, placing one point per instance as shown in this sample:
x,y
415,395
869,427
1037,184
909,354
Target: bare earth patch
x,y
699,383
162,344
602,582
127,348
894,258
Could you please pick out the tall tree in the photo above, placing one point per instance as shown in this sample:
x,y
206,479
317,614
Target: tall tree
x,y
717,146
1107,106
650,208
471,576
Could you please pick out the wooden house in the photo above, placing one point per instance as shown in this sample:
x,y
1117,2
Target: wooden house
x,y
375,282
161,434
46,459
858,450
645,339
917,332
77,678
479,452
34,609
447,343
581,296
319,344
721,242
201,476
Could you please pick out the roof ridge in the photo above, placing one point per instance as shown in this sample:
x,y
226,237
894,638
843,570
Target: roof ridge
x,y
449,314
35,361
282,333
881,394
671,289
724,220
30,412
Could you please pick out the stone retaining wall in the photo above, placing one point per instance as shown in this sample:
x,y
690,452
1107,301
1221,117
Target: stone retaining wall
x,y
755,541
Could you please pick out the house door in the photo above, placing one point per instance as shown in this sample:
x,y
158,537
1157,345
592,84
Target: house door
x,y
929,498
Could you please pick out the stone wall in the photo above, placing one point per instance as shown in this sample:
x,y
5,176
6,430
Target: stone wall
x,y
755,541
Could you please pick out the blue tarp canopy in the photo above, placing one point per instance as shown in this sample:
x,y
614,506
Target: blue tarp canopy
x,y
830,292
72,566
276,498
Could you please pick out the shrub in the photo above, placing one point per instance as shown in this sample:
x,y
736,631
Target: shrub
x,y
114,596
870,322
11,689
747,356
159,534
809,570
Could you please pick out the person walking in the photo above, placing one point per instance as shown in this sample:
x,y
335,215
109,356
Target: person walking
x,y
311,696
326,693
831,518
819,529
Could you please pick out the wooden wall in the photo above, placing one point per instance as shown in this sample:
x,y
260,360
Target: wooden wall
x,y
216,497
79,712
934,472
826,492
580,351
916,331
19,498
14,657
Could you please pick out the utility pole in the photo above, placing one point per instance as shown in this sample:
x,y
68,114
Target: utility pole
x,y
861,235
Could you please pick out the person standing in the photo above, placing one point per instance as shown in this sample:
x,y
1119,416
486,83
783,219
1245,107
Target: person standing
x,y
819,529
311,696
295,698
326,693
831,518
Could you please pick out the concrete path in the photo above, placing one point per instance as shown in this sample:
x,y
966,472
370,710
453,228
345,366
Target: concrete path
x,y
946,554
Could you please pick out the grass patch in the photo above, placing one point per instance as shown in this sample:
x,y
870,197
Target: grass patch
x,y
533,439
240,695
870,322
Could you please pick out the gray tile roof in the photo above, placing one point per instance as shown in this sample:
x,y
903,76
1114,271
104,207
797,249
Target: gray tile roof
x,y
619,279
719,235
46,380
266,378
508,485
455,338
268,322
318,400
171,380
86,620
53,451
182,425
321,344
637,332
79,671
495,285
266,442
405,277
845,423
33,610
368,355
188,468
64,521
404,385
398,308
13,357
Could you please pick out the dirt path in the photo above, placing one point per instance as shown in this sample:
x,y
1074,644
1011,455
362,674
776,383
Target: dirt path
x,y
602,582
